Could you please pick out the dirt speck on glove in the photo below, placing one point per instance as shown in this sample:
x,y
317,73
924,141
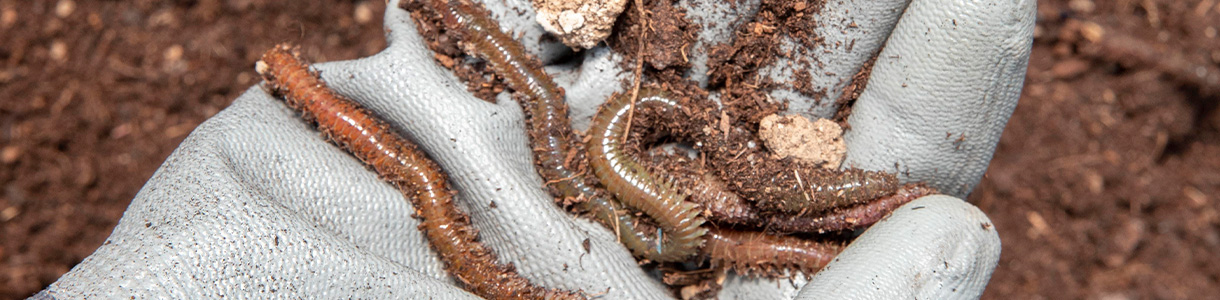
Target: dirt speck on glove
x,y
580,24
816,142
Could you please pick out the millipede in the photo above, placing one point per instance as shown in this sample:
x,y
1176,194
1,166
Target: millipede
x,y
635,186
400,162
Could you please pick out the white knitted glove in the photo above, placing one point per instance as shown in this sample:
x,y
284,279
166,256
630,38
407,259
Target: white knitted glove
x,y
256,204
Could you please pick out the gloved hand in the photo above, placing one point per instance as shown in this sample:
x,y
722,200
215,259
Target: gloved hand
x,y
255,203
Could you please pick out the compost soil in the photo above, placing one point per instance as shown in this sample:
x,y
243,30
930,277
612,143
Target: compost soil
x,y
96,94
1102,186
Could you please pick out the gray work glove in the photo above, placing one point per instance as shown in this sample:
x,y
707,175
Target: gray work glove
x,y
256,204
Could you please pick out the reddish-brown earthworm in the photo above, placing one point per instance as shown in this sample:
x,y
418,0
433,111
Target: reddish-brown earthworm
x,y
725,207
401,163
783,185
748,252
546,111
806,190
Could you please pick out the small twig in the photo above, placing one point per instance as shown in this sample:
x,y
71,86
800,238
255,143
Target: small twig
x,y
801,185
639,66
574,176
617,235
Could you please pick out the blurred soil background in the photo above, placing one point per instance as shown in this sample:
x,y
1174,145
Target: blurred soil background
x,y
1104,185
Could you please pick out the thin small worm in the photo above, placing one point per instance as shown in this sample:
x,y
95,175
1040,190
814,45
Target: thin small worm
x,y
401,163
555,150
756,253
636,187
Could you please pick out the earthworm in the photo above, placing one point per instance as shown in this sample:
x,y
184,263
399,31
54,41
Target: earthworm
x,y
551,136
401,163
757,253
858,216
804,190
726,207
546,111
790,187
636,187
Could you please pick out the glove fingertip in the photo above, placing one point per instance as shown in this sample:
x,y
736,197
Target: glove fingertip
x,y
941,92
936,247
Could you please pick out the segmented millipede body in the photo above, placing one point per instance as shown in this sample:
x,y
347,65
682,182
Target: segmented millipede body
x,y
755,253
555,149
634,186
401,163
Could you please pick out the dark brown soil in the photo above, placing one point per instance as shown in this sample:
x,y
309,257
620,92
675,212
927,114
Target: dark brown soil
x,y
754,47
97,93
444,43
1103,184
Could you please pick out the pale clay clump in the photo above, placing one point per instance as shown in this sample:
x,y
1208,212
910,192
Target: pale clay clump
x,y
817,142
581,24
